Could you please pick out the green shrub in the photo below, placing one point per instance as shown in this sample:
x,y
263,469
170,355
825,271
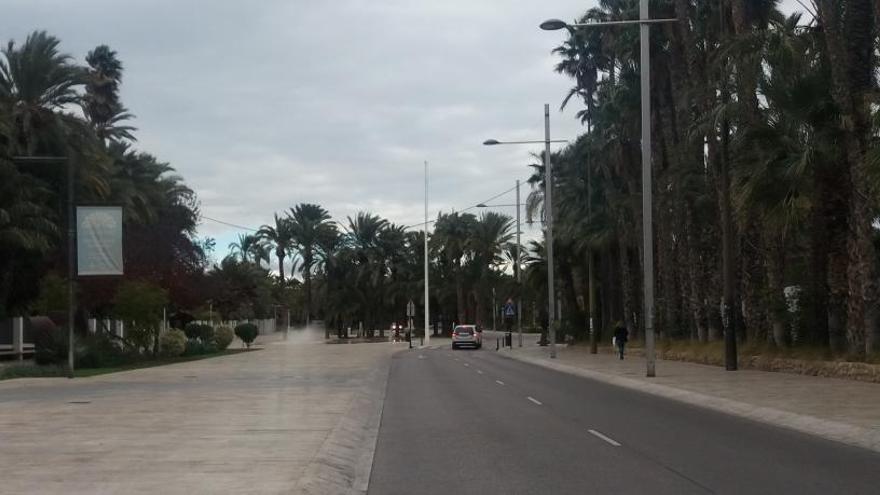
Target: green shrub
x,y
206,333
247,332
100,351
200,331
50,345
139,304
195,347
192,330
223,337
172,343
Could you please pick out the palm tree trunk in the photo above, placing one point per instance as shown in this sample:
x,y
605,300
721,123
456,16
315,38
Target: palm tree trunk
x,y
775,285
307,276
629,302
280,266
848,27
753,284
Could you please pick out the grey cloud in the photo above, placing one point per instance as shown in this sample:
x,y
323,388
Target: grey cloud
x,y
264,104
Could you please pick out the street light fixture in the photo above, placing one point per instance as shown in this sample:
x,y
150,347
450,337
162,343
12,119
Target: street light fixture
x,y
548,233
644,22
494,142
71,242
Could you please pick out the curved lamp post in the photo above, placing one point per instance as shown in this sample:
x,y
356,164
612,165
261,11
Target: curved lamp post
x,y
644,22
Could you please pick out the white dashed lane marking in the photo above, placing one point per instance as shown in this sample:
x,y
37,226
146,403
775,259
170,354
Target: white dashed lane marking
x,y
499,382
480,371
536,401
603,437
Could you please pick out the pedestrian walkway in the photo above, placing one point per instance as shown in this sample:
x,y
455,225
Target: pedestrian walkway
x,y
297,416
840,410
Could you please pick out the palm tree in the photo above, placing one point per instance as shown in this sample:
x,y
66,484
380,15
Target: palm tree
x,y
488,237
279,236
307,222
100,103
26,224
38,81
364,232
248,248
849,31
451,242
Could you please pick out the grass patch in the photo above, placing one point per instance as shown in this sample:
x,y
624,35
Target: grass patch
x,y
34,371
804,360
713,352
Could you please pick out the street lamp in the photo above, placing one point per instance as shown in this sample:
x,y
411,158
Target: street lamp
x,y
71,242
427,338
644,22
548,233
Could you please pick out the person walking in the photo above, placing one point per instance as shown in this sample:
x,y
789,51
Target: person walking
x,y
621,336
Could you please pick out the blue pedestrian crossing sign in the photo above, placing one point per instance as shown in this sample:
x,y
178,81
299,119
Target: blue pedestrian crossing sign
x,y
508,309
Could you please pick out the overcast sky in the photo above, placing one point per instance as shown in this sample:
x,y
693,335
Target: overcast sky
x,y
261,105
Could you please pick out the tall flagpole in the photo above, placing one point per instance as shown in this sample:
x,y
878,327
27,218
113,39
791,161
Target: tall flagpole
x,y
427,292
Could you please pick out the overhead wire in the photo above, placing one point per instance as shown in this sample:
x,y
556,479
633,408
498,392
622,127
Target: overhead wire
x,y
465,209
242,227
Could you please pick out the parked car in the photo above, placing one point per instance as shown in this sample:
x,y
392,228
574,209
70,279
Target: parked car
x,y
467,336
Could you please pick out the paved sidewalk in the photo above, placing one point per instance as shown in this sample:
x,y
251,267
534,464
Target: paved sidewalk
x,y
295,417
841,410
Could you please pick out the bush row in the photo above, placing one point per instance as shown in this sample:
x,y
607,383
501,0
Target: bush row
x,y
100,351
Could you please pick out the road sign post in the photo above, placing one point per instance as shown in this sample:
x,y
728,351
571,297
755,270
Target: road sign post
x,y
410,314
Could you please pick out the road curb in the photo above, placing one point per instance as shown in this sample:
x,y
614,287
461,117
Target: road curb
x,y
343,464
830,430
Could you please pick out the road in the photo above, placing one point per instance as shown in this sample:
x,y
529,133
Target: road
x,y
460,422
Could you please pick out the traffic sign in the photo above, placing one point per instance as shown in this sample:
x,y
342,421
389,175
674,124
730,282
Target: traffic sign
x,y
410,308
508,309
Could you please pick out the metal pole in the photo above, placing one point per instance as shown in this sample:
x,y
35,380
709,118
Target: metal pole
x,y
494,309
518,268
548,237
647,216
427,293
71,269
591,266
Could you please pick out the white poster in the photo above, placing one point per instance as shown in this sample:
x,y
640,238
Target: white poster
x,y
99,240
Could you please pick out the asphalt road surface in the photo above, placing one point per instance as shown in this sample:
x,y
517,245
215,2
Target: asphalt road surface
x,y
472,421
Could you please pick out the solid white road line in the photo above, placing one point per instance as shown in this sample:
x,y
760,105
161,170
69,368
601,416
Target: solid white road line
x,y
536,401
603,437
499,382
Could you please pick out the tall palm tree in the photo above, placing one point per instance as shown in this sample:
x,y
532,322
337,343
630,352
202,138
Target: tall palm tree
x,y
279,236
849,31
307,222
451,242
100,103
38,81
488,237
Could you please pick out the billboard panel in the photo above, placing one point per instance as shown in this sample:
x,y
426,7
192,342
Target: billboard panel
x,y
99,240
